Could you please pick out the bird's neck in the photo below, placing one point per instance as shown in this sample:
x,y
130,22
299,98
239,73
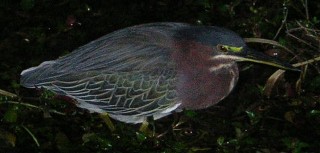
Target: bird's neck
x,y
202,82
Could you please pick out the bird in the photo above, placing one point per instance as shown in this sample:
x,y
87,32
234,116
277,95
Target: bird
x,y
150,70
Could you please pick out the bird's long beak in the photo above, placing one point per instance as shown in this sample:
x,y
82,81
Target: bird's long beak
x,y
258,57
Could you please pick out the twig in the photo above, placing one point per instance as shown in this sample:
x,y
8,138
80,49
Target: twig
x,y
307,62
19,103
32,106
306,9
283,22
6,93
303,28
300,40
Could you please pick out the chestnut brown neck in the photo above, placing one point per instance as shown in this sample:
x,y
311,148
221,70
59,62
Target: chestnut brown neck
x,y
201,81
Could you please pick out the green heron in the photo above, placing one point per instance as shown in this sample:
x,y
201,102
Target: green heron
x,y
149,70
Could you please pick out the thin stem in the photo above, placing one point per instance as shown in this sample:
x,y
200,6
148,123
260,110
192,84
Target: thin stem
x,y
306,9
285,12
32,135
30,105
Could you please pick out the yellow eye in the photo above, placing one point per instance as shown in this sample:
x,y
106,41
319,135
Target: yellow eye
x,y
222,48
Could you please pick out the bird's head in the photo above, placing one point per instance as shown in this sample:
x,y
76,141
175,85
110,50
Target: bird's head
x,y
230,46
207,61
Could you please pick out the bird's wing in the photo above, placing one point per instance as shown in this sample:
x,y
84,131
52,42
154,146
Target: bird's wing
x,y
128,73
143,47
126,96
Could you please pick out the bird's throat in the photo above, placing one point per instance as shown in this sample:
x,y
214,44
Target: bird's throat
x,y
202,82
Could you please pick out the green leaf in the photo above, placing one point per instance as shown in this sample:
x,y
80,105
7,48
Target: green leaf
x,y
254,118
220,141
140,136
250,114
314,113
11,115
190,113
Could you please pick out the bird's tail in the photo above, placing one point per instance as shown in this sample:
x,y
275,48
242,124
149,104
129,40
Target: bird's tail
x,y
32,76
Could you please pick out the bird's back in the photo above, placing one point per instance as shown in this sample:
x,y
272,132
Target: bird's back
x,y
135,48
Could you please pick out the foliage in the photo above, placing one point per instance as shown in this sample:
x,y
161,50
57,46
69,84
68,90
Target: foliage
x,y
38,121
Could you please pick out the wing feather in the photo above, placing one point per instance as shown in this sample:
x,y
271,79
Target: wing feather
x,y
118,96
127,73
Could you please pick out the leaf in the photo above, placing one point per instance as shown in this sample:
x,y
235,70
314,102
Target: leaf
x,y
273,81
289,116
239,133
6,93
220,140
140,136
8,137
190,113
254,118
267,41
315,113
98,140
11,115
87,137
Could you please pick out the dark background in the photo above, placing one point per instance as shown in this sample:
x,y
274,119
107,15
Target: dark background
x,y
247,121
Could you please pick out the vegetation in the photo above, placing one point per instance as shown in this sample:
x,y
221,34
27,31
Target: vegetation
x,y
269,111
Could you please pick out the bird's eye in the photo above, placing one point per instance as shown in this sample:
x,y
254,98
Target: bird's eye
x,y
226,48
222,48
